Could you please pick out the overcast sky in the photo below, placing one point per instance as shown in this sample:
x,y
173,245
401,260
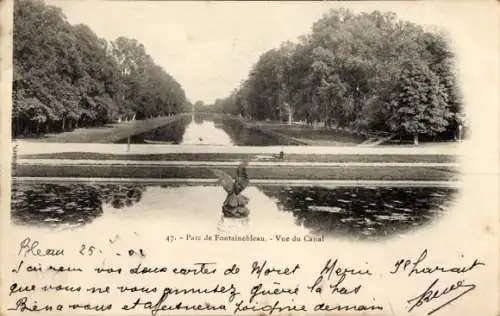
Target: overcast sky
x,y
209,47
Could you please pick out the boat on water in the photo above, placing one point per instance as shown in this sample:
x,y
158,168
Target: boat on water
x,y
147,141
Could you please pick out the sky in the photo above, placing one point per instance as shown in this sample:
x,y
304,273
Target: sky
x,y
209,47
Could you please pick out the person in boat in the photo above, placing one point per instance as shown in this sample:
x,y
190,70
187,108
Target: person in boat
x,y
235,204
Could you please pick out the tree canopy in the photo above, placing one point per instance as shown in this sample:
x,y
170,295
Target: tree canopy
x,y
65,76
366,71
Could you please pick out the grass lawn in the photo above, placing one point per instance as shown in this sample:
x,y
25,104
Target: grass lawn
x,y
318,173
316,137
109,133
307,135
252,157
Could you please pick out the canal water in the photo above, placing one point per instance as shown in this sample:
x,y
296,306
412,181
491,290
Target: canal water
x,y
357,212
354,212
206,129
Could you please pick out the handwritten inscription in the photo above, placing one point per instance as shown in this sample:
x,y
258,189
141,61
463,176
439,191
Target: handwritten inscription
x,y
262,269
29,247
437,292
161,305
447,293
332,270
47,268
261,286
415,267
260,290
200,268
24,305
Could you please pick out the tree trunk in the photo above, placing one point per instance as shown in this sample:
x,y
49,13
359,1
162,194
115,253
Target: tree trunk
x,y
415,139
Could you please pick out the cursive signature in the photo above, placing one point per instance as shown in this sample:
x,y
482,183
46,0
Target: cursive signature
x,y
433,292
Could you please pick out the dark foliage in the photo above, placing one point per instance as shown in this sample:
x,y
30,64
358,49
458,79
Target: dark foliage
x,y
65,76
364,72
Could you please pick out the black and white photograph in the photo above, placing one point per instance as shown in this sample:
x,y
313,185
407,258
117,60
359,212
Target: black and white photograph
x,y
249,157
346,123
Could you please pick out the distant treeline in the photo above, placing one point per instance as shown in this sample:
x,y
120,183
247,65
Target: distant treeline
x,y
65,76
364,72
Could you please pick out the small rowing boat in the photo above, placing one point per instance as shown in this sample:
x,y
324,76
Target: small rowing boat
x,y
147,141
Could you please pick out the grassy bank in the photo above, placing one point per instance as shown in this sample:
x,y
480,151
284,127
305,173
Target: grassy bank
x,y
316,137
109,133
282,172
252,157
305,134
319,136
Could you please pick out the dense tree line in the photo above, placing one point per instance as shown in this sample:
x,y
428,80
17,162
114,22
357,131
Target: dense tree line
x,y
365,72
65,76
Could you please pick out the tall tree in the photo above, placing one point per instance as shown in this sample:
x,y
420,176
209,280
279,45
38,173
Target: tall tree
x,y
362,71
65,76
419,105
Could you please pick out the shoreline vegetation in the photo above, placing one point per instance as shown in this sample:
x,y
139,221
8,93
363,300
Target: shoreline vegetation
x,y
317,135
368,73
108,133
298,134
362,79
65,77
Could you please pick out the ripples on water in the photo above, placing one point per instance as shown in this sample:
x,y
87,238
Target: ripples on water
x,y
361,212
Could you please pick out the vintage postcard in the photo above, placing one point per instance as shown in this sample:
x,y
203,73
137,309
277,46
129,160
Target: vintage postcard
x,y
250,158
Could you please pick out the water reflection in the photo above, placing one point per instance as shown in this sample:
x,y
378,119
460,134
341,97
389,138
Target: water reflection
x,y
228,225
171,133
244,136
199,119
362,212
365,213
206,129
75,205
120,196
204,132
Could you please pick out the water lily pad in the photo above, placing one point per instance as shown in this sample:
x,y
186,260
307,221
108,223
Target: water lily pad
x,y
328,209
